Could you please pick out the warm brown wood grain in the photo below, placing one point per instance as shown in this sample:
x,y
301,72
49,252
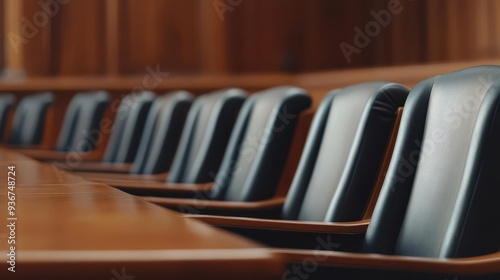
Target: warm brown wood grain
x,y
97,37
2,33
69,228
37,47
161,33
77,39
112,37
407,75
70,42
13,41
198,84
213,39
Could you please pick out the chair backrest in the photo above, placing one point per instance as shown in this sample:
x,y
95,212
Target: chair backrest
x,y
440,197
29,119
343,153
257,151
162,132
6,102
80,129
128,126
205,136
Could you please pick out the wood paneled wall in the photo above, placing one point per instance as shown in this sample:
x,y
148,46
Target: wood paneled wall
x,y
159,32
126,37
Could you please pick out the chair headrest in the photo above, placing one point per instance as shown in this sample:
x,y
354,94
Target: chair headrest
x,y
343,154
128,126
255,156
6,102
29,119
162,132
81,121
205,136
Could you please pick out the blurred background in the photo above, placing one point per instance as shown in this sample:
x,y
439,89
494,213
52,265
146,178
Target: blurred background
x,y
52,38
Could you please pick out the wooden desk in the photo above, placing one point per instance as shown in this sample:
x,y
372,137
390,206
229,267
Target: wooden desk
x,y
68,228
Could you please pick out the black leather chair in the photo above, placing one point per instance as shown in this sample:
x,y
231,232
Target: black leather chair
x,y
162,133
204,138
6,103
257,150
127,127
81,121
80,132
344,153
125,134
158,121
438,214
341,163
29,120
160,137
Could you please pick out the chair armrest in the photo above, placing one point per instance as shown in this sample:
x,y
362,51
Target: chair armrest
x,y
480,265
52,155
100,167
42,154
345,236
159,189
112,177
285,225
199,204
21,148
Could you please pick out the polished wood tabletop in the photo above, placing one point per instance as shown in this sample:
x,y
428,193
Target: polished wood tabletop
x,y
70,228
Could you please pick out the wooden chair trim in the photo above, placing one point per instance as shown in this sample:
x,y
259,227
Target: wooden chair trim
x,y
320,227
164,187
267,204
385,166
480,265
102,167
122,176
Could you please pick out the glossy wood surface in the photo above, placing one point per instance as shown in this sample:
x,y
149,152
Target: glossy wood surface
x,y
71,228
